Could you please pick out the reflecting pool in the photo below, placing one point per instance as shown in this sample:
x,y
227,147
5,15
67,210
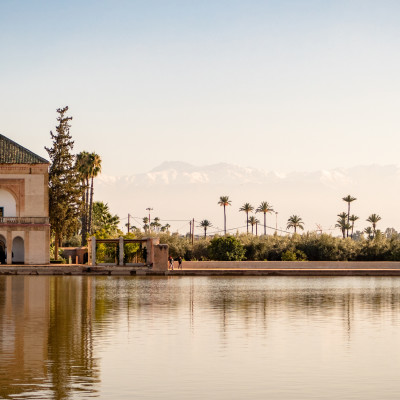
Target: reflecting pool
x,y
199,338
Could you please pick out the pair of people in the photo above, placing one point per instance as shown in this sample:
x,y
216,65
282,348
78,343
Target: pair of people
x,y
171,263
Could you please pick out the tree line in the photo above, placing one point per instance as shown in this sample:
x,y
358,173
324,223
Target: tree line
x,y
72,209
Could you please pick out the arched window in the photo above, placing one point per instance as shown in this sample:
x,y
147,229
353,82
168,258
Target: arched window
x,y
8,205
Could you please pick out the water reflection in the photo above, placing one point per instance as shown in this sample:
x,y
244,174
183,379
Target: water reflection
x,y
227,337
46,343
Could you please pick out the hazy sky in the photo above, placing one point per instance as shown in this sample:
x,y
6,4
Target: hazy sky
x,y
283,85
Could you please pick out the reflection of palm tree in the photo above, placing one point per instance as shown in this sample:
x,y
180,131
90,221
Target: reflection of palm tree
x,y
265,208
353,218
224,201
295,222
205,224
374,219
247,207
348,199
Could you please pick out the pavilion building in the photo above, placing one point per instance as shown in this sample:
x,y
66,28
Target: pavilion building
x,y
24,205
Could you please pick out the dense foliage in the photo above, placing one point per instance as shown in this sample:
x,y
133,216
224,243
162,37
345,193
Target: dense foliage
x,y
308,246
226,248
64,184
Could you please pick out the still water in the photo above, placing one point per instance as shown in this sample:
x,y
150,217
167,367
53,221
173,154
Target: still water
x,y
199,338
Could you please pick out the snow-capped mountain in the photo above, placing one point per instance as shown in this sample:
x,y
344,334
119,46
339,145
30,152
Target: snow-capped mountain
x,y
181,191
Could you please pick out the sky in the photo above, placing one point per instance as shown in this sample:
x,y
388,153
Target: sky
x,y
277,85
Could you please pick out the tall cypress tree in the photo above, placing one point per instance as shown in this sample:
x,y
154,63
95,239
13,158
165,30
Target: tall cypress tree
x,y
64,183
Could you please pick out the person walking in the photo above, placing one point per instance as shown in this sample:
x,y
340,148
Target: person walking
x,y
180,262
171,263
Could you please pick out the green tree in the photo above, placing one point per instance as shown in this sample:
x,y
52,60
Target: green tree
x,y
226,248
146,224
373,219
64,182
165,228
370,233
156,224
95,169
103,219
253,221
247,207
295,222
348,199
82,164
265,208
342,223
205,224
224,202
353,218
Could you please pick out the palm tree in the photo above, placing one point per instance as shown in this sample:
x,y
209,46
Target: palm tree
x,y
156,224
82,164
224,201
146,223
369,232
165,227
253,221
95,169
374,219
348,199
265,208
353,218
342,225
247,207
205,224
295,222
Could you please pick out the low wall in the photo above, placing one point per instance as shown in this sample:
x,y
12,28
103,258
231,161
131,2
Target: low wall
x,y
290,264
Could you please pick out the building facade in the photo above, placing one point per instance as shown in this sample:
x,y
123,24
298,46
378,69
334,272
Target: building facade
x,y
24,205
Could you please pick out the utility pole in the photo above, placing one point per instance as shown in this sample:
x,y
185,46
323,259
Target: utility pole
x,y
190,228
276,222
193,232
129,223
149,209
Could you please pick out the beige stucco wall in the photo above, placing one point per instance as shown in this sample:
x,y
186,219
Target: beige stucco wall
x,y
29,186
36,246
34,199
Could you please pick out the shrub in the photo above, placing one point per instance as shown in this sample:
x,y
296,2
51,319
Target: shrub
x,y
226,248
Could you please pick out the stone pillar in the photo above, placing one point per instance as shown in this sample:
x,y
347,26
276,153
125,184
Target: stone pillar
x,y
27,256
121,251
9,247
160,257
93,249
150,243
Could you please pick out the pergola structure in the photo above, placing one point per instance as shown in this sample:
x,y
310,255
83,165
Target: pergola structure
x,y
156,254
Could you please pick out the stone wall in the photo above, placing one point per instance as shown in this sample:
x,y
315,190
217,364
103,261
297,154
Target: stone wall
x,y
288,264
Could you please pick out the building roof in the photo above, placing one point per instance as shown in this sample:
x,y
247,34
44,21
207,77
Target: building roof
x,y
13,153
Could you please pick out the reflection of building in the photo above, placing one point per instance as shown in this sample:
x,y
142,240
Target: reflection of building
x,y
46,337
24,305
24,205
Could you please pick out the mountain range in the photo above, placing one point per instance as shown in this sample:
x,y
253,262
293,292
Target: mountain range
x,y
178,192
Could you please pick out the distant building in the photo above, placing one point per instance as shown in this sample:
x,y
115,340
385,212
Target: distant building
x,y
24,205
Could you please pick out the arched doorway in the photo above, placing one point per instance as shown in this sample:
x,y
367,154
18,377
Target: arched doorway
x,y
3,250
18,251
